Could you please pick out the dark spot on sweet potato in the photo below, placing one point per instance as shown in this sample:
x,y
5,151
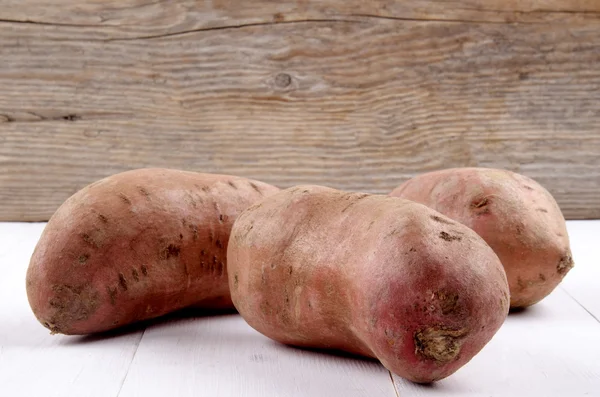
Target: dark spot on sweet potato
x,y
122,282
83,258
202,252
481,202
447,237
542,210
71,303
481,206
565,264
394,232
143,191
211,236
439,219
230,183
528,187
247,231
448,301
205,189
144,270
370,225
103,218
221,218
236,280
438,343
218,243
253,185
124,198
519,229
112,294
273,266
542,277
135,275
412,250
180,236
290,270
171,250
89,240
184,222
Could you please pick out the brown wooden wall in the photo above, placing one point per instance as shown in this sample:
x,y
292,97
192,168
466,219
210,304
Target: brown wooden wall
x,y
354,94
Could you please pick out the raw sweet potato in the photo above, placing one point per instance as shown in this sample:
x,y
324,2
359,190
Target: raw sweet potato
x,y
516,216
135,246
368,274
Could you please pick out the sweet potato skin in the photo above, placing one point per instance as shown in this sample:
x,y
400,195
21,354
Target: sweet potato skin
x,y
368,274
514,214
135,246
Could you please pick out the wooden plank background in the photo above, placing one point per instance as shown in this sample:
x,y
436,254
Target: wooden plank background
x,y
354,94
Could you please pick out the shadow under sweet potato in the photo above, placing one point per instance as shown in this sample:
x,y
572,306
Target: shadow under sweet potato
x,y
177,316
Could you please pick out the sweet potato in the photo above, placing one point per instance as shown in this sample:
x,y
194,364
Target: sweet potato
x,y
515,215
368,274
135,246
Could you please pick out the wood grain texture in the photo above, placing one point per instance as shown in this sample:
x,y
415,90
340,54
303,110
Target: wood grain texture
x,y
354,95
35,363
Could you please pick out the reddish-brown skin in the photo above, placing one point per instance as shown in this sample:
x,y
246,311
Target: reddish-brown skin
x,y
135,246
369,274
516,216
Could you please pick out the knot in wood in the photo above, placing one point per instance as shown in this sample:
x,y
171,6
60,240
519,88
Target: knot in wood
x,y
283,80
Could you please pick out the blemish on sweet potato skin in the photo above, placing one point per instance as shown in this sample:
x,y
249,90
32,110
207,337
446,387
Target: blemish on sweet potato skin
x,y
171,250
565,264
136,238
439,344
124,198
442,220
123,282
448,237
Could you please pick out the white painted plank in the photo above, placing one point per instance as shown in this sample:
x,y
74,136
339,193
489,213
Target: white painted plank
x,y
551,349
583,281
223,356
35,363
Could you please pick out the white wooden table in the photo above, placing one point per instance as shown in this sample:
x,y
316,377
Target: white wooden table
x,y
551,349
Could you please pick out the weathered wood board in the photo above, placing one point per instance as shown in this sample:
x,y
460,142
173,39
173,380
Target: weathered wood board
x,y
351,94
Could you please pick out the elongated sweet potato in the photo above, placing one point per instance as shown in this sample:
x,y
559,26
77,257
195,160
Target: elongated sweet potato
x,y
369,274
135,246
516,216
